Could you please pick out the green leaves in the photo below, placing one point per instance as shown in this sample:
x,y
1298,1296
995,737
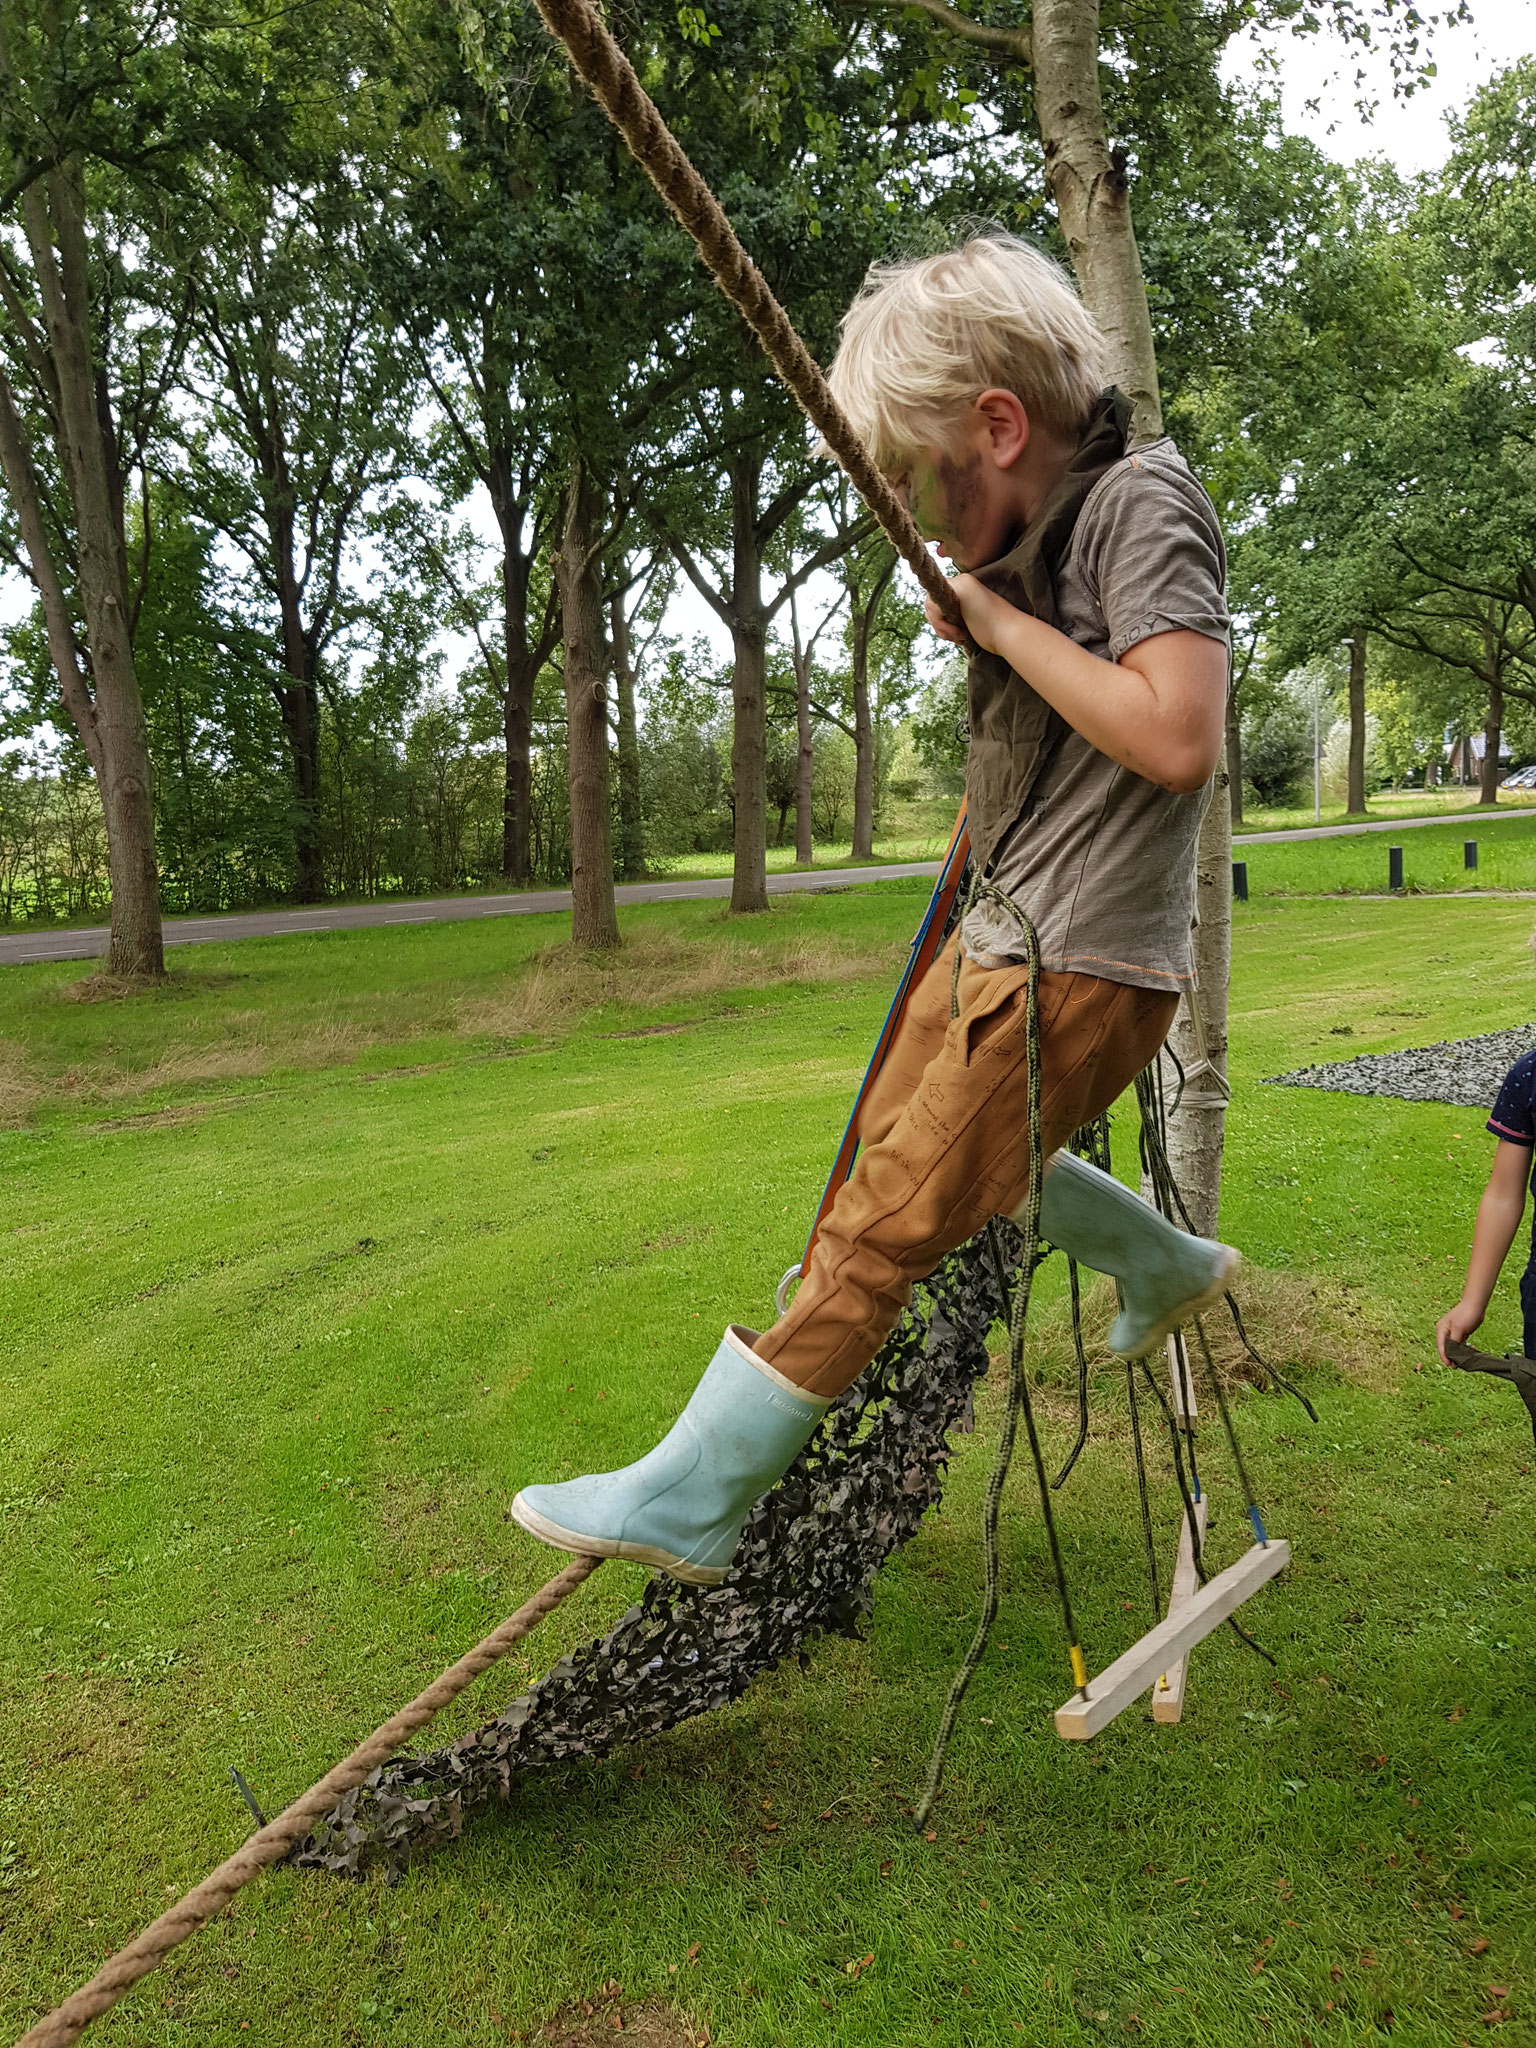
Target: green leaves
x,y
697,27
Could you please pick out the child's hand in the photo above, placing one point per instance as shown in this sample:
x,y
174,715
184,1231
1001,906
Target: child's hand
x,y
982,608
1456,1325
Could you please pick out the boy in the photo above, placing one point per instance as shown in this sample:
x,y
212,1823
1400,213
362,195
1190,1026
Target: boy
x,y
1513,1123
1092,589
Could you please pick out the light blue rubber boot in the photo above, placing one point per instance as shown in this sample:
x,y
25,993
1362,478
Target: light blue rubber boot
x,y
683,1505
1165,1275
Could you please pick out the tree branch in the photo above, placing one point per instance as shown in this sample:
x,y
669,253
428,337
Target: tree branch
x,y
1014,44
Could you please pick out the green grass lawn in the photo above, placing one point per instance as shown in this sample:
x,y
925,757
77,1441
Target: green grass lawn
x,y
1433,860
313,1258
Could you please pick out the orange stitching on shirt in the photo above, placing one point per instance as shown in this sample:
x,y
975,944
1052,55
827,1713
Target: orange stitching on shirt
x,y
1132,966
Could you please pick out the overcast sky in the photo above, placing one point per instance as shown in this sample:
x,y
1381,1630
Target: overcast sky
x,y
1321,68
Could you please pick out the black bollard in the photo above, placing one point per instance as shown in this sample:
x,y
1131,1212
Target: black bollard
x,y
1394,867
1240,880
1469,853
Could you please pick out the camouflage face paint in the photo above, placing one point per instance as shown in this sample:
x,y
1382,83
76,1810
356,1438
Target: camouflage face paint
x,y
927,501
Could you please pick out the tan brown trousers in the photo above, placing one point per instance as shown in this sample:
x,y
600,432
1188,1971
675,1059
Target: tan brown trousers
x,y
944,1145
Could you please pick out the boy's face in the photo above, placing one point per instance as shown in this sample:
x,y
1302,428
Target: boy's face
x,y
969,500
951,503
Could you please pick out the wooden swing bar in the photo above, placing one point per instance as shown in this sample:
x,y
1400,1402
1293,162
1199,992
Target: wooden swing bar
x,y
1162,1647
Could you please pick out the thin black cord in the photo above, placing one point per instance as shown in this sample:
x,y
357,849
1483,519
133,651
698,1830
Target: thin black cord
x,y
1141,1488
1249,1501
1082,1372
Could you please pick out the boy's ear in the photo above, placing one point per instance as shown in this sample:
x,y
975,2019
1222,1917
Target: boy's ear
x,y
1006,426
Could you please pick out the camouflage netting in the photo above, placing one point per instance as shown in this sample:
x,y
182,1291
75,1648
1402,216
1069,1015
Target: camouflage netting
x,y
808,1558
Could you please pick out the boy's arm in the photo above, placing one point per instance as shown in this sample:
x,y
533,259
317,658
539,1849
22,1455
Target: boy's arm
x,y
1159,711
1498,1218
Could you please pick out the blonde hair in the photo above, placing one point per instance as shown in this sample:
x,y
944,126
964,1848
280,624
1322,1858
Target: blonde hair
x,y
925,338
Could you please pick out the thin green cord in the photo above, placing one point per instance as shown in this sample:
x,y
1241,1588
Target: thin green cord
x,y
1018,1401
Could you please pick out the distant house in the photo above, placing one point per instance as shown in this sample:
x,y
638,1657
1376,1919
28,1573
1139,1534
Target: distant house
x,y
1463,758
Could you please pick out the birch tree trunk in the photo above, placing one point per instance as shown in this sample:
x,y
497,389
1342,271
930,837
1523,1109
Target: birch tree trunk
x,y
1092,192
54,212
594,921
1355,792
1197,1133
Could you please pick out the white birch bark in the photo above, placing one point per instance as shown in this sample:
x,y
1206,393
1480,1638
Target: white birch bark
x,y
1093,199
1198,1131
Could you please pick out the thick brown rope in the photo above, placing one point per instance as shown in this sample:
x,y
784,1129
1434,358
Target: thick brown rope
x,y
661,156
68,2021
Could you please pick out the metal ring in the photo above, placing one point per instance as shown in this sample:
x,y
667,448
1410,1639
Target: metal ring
x,y
781,1292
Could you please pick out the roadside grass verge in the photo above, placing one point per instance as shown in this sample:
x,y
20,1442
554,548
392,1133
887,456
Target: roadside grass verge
x,y
276,1356
1432,861
261,1010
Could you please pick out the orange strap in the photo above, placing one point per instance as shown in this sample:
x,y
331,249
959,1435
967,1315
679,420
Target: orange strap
x,y
925,950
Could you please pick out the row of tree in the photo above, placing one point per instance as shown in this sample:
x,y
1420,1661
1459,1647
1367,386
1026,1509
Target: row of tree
x,y
1388,423
280,288
411,806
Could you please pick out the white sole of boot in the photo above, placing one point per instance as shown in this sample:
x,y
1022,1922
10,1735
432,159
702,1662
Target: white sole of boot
x,y
558,1538
1195,1306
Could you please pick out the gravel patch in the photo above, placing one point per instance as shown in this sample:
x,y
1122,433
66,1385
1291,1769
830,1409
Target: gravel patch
x,y
1465,1072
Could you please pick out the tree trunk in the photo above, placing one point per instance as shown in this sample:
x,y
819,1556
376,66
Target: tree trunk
x,y
863,610
805,762
1197,1132
517,781
25,488
1234,760
124,774
1355,795
522,675
863,746
1092,194
1493,732
594,921
298,701
749,694
631,846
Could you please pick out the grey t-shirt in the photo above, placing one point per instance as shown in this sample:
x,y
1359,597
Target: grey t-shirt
x,y
1101,860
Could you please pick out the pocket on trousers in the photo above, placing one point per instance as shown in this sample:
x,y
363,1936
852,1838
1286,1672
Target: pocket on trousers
x,y
1000,1014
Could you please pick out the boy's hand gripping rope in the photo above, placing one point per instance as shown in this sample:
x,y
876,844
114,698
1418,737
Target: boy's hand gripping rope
x,y
598,58
271,1843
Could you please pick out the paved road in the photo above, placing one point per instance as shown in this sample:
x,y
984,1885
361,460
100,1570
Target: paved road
x,y
86,943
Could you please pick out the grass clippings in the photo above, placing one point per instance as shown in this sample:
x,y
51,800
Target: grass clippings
x,y
649,2023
